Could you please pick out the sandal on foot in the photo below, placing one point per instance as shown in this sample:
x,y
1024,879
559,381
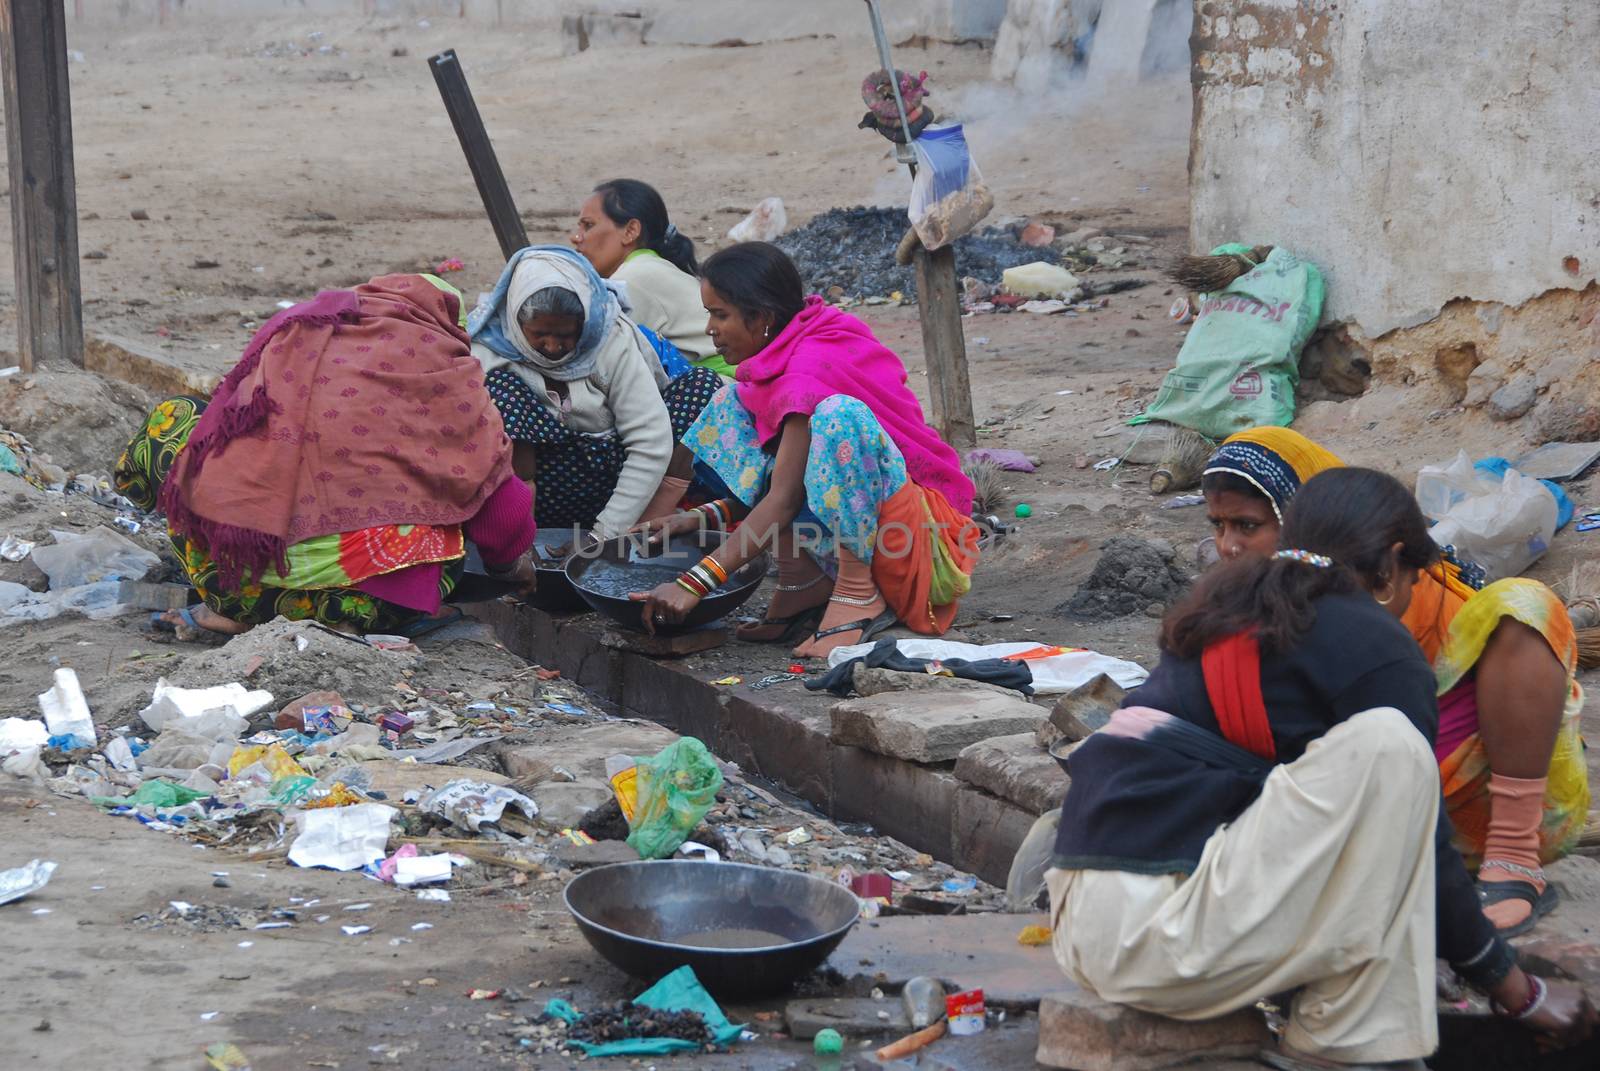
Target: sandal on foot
x,y
198,633
869,627
1541,903
792,628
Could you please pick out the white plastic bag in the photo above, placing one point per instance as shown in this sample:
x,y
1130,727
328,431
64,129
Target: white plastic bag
x,y
1054,675
80,558
948,197
217,713
342,838
1503,525
763,224
66,711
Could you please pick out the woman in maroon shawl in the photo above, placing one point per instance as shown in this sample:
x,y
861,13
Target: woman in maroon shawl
x,y
338,469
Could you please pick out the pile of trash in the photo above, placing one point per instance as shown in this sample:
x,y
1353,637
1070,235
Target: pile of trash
x,y
849,253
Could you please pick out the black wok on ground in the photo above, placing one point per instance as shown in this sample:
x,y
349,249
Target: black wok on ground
x,y
747,931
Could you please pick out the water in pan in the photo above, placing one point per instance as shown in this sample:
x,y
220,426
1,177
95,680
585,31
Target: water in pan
x,y
617,580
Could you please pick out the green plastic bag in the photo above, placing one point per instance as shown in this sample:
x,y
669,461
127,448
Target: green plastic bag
x,y
1241,360
676,789
156,793
679,991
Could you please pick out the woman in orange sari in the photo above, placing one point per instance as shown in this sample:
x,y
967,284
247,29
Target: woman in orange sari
x,y
1505,659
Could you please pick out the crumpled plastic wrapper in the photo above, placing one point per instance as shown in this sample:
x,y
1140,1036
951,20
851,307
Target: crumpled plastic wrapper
x,y
342,838
25,880
470,804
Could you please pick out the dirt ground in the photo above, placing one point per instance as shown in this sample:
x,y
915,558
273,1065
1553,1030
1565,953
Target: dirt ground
x,y
296,171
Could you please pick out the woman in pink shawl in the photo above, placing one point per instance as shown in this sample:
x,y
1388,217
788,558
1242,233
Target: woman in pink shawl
x,y
823,457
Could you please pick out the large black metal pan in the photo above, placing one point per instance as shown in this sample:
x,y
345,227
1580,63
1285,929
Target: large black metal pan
x,y
551,548
748,931
658,564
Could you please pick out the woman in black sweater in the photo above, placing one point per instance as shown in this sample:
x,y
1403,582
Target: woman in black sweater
x,y
1264,814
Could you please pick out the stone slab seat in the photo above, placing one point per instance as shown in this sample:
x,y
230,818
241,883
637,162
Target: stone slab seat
x,y
1081,1032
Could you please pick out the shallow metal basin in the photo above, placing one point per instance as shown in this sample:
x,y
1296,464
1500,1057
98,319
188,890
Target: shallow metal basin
x,y
748,931
657,566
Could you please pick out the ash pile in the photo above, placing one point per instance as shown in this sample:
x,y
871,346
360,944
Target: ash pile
x,y
848,253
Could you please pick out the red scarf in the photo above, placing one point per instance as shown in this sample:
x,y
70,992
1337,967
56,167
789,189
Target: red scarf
x,y
1232,669
354,410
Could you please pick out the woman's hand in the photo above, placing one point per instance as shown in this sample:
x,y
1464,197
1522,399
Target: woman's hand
x,y
668,604
1565,1018
521,572
662,529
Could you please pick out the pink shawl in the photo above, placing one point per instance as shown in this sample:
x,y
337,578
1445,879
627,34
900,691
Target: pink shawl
x,y
824,352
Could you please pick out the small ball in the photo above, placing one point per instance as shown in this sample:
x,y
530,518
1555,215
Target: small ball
x,y
828,1042
1024,510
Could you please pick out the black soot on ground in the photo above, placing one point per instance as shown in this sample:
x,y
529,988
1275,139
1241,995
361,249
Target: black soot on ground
x,y
1132,576
853,249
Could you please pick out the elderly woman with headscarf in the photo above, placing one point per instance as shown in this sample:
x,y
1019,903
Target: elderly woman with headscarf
x,y
592,415
338,471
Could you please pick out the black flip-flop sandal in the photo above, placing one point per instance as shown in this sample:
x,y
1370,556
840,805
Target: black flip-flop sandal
x,y
869,627
795,626
1542,903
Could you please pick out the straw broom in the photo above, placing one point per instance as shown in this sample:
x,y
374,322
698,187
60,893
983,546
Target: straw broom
x,y
1209,274
1581,592
1183,462
988,485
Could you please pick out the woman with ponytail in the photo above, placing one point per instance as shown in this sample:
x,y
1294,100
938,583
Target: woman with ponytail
x,y
624,231
1264,815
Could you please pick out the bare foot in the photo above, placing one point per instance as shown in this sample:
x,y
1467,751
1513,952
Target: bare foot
x,y
206,619
840,613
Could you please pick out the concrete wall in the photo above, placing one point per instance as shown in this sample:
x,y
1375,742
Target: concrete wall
x,y
1418,151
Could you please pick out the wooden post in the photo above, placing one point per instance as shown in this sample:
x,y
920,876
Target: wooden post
x,y
939,305
44,199
452,82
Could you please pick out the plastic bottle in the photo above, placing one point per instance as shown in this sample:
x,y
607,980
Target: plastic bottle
x,y
924,1001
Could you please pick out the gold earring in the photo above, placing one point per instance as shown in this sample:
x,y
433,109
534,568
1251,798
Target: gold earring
x,y
1385,601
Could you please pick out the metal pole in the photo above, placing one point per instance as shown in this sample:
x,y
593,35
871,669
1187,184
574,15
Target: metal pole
x,y
903,153
497,202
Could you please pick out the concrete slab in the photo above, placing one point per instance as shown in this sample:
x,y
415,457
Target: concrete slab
x,y
929,727
665,645
869,681
562,804
964,951
914,804
1015,768
850,1016
585,750
398,778
1084,1033
985,832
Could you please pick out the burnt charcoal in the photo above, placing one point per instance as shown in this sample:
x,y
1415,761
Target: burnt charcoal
x,y
1131,575
853,249
605,822
626,1019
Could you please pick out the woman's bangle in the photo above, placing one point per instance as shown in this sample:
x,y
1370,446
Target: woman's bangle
x,y
718,513
703,578
1537,991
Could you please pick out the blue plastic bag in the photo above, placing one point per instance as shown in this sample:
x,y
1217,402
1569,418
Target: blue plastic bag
x,y
1497,466
679,991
